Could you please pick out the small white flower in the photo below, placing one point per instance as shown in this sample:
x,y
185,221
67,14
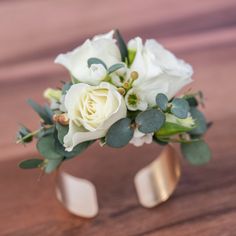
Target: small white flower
x,y
91,110
134,101
140,138
103,47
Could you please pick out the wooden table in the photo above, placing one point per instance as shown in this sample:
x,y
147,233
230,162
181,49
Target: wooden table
x,y
201,32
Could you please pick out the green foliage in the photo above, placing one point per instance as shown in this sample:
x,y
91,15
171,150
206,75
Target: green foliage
x,y
122,47
66,87
77,150
46,147
24,135
51,165
62,130
30,164
45,131
44,112
200,121
94,60
150,120
192,101
115,67
162,101
131,55
180,108
197,152
120,133
169,129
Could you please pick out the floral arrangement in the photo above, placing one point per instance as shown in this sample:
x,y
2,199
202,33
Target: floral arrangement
x,y
118,94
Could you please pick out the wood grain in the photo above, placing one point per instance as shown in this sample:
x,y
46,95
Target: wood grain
x,y
33,33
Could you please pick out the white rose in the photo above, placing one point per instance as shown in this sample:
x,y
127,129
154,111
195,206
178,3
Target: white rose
x,y
101,46
159,71
91,110
140,138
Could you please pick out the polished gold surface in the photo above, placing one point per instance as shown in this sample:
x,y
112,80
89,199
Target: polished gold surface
x,y
156,182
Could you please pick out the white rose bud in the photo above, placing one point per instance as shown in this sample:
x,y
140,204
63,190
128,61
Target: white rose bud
x,y
103,47
91,111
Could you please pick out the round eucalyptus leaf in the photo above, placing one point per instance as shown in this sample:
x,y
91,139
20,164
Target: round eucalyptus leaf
x,y
180,108
200,121
51,165
150,120
94,60
196,152
162,101
30,164
120,133
46,147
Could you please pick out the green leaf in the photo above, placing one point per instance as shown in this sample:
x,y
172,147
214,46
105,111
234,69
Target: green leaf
x,y
122,46
46,147
150,120
192,101
162,101
66,87
24,135
115,67
31,163
77,150
200,121
94,60
45,132
120,133
44,112
131,55
52,165
62,130
180,108
169,129
197,152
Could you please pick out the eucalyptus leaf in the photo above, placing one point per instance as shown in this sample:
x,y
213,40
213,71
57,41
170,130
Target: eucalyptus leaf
x,y
24,135
180,108
44,112
162,101
200,121
62,130
31,163
122,46
52,165
77,150
120,133
192,101
46,147
197,152
66,87
115,67
150,120
94,60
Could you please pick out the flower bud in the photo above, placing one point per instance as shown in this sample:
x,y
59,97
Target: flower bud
x,y
52,94
61,119
134,75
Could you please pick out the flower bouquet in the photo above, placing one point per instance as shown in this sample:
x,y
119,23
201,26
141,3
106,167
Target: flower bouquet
x,y
117,94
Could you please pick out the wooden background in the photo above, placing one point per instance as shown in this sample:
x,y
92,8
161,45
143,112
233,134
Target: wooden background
x,y
33,33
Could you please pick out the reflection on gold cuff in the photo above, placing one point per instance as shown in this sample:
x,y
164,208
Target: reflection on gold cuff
x,y
154,184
